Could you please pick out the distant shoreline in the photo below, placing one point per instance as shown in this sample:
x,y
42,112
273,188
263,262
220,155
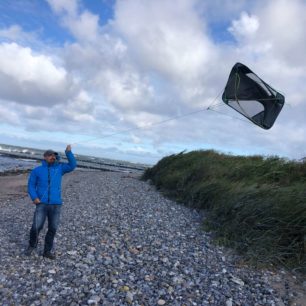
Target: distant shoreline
x,y
15,172
13,185
85,162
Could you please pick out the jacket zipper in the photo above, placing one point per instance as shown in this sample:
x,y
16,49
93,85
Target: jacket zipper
x,y
48,184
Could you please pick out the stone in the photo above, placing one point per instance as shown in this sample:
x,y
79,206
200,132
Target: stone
x,y
73,253
237,281
94,300
129,297
125,288
122,245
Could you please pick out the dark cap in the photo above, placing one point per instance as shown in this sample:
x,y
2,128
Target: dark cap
x,y
50,152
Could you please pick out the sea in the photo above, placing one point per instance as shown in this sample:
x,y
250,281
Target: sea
x,y
15,158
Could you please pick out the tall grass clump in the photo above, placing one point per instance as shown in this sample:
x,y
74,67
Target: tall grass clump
x,y
254,204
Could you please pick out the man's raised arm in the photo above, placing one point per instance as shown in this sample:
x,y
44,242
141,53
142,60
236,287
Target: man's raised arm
x,y
71,165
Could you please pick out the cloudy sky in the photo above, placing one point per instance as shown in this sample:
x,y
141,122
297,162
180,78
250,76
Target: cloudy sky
x,y
101,74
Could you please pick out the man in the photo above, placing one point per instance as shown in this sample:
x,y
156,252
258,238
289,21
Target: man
x,y
44,188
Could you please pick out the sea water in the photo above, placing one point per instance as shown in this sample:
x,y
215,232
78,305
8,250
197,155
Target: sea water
x,y
21,158
12,164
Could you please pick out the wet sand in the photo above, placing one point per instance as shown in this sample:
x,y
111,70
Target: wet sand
x,y
13,186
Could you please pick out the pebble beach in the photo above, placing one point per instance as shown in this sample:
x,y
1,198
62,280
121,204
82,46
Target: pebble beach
x,y
121,242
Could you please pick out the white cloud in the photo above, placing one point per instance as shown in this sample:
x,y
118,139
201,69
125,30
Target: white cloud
x,y
167,38
31,78
135,139
125,90
140,64
80,109
283,23
245,27
84,26
15,33
8,115
21,64
34,112
219,11
69,7
157,60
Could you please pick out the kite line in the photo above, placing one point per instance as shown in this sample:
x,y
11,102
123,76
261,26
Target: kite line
x,y
152,124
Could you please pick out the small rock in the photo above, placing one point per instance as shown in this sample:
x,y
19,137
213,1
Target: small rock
x,y
94,300
177,280
238,281
72,253
129,297
170,289
125,288
149,278
161,302
91,249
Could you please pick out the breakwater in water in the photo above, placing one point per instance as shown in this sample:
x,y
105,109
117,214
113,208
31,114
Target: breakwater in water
x,y
14,158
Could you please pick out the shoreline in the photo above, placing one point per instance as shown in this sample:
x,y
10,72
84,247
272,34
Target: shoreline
x,y
13,185
15,172
86,162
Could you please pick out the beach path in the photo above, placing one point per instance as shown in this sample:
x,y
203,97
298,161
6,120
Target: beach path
x,y
121,242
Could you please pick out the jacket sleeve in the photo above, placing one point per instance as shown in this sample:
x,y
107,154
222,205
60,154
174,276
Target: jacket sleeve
x,y
32,183
71,165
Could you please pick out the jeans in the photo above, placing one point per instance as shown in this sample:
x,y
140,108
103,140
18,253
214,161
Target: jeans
x,y
43,211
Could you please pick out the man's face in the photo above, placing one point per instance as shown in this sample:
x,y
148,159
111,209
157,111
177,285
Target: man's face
x,y
50,159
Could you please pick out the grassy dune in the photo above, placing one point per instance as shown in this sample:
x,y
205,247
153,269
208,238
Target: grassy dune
x,y
254,204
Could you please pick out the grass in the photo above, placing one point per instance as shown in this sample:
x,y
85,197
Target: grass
x,y
254,204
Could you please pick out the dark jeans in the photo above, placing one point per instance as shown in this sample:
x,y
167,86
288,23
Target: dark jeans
x,y
43,211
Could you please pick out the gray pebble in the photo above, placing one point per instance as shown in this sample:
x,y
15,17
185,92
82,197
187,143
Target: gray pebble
x,y
118,232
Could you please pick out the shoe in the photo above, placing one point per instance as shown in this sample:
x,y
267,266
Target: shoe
x,y
49,255
29,250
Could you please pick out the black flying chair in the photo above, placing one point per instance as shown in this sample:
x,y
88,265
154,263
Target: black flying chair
x,y
249,95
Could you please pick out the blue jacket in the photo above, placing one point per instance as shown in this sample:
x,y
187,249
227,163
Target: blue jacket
x,y
45,181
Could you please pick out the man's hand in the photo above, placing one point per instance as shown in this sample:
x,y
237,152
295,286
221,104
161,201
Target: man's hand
x,y
36,201
68,148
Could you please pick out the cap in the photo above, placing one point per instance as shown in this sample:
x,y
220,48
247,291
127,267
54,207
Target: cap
x,y
50,152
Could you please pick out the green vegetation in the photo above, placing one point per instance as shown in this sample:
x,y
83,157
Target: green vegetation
x,y
254,204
